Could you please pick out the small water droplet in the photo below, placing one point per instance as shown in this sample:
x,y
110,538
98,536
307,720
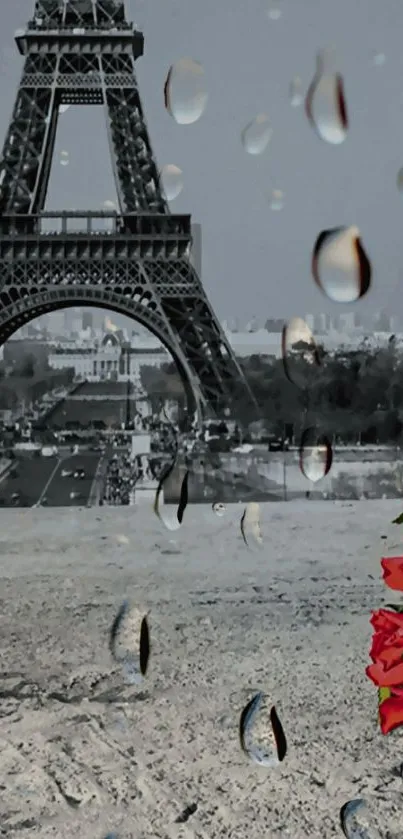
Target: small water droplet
x,y
64,158
296,92
257,135
122,539
340,266
274,13
325,101
260,732
250,525
185,91
373,817
277,200
172,518
219,509
299,351
129,642
172,181
315,455
379,59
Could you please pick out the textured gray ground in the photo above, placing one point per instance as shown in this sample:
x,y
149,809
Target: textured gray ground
x,y
82,754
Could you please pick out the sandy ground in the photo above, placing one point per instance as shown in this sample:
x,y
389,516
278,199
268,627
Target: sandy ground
x,y
83,754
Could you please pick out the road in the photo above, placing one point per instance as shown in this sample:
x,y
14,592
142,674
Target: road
x,y
39,480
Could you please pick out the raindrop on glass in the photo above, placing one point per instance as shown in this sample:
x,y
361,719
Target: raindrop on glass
x,y
274,13
373,817
173,478
219,509
399,180
325,101
261,734
171,181
129,642
299,351
315,455
296,92
379,59
185,91
250,525
340,266
277,200
64,158
257,135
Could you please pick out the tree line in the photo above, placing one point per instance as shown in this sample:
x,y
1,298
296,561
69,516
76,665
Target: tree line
x,y
355,396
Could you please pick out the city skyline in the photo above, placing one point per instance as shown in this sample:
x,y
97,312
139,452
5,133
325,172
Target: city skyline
x,y
252,256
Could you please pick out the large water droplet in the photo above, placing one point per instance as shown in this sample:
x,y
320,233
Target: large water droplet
x,y
172,181
64,158
257,135
315,455
296,92
250,525
274,13
340,266
299,351
185,91
325,101
129,642
373,817
172,515
260,732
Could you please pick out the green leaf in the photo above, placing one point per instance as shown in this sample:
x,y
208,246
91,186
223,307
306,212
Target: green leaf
x,y
399,519
383,693
395,607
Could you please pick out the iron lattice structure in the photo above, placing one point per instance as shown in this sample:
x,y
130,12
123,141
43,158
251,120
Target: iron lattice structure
x,y
83,52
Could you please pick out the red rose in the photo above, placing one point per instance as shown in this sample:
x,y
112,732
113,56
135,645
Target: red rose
x,y
391,713
384,620
393,571
387,649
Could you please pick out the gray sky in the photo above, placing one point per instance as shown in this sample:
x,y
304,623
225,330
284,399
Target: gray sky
x,y
256,261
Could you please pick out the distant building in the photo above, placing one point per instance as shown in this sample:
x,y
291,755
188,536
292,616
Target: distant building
x,y
113,359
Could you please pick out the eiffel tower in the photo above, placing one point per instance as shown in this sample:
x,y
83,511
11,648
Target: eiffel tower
x,y
82,52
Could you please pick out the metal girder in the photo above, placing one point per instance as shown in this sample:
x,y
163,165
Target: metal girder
x,y
141,268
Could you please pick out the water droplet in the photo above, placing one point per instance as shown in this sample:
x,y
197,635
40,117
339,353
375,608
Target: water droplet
x,y
274,14
299,351
250,525
171,180
374,817
219,509
185,92
64,158
399,180
172,519
296,92
315,455
261,733
129,642
277,200
326,103
379,59
340,266
257,135
122,539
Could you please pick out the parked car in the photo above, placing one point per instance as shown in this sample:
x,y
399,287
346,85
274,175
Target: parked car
x,y
278,444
